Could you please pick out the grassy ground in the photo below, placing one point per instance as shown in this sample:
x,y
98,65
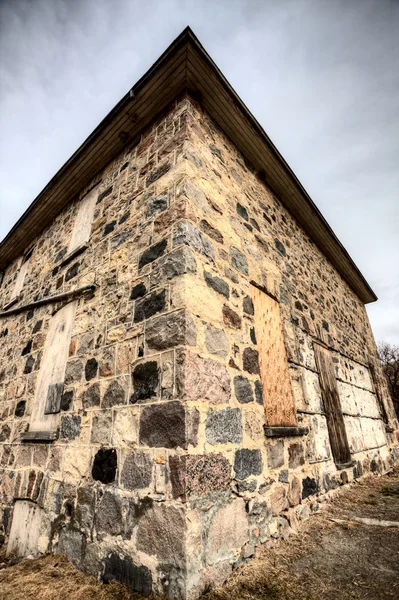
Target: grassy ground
x,y
333,557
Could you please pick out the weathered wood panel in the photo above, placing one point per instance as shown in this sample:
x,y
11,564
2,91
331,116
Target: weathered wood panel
x,y
20,280
332,406
53,400
277,393
25,529
53,366
84,218
39,436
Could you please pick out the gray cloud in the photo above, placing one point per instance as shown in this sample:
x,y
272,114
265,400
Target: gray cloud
x,y
321,76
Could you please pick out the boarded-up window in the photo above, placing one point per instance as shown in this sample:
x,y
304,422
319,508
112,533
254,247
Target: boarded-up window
x,y
276,384
52,372
332,406
25,529
84,218
378,387
20,280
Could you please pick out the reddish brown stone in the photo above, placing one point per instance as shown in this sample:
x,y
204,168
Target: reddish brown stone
x,y
296,456
31,483
200,378
278,500
195,475
231,318
294,492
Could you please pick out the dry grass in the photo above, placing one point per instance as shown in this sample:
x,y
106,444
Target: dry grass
x,y
331,558
270,577
324,561
53,577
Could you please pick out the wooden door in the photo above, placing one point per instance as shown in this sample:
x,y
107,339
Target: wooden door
x,y
332,406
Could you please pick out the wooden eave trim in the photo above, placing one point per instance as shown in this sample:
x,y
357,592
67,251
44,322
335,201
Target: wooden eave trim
x,y
184,65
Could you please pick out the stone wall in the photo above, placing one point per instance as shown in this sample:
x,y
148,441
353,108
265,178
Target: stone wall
x,y
161,475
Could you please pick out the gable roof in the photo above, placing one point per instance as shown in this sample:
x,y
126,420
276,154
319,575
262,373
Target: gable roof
x,y
184,65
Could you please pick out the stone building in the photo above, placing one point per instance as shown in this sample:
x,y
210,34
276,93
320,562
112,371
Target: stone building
x,y
186,363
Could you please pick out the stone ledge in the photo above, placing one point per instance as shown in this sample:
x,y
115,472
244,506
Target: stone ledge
x,y
79,250
39,436
341,466
11,303
285,431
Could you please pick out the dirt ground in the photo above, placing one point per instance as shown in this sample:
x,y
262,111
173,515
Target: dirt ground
x,y
334,557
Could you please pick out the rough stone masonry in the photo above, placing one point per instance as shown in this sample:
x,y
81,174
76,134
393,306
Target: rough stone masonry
x,y
139,434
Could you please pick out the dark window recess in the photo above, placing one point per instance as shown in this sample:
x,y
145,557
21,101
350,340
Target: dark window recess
x,y
105,465
27,255
332,406
53,400
1,277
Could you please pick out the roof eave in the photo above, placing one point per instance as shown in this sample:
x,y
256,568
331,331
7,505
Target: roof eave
x,y
184,65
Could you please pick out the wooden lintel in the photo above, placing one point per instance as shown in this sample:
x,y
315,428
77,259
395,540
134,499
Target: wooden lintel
x,y
285,431
39,436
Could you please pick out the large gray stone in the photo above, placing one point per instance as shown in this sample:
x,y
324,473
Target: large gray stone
x,y
243,389
186,233
101,428
178,262
217,284
123,570
115,394
238,260
161,533
247,462
108,518
85,507
137,471
150,305
71,544
275,455
216,341
145,378
74,371
170,330
163,425
223,426
156,206
91,396
152,253
70,426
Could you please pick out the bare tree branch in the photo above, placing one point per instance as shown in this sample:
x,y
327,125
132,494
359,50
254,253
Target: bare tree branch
x,y
389,356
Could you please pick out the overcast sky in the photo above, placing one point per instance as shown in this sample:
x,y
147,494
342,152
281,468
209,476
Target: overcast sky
x,y
321,76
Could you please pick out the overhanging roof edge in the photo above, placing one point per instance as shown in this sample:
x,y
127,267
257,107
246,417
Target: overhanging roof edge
x,y
344,263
